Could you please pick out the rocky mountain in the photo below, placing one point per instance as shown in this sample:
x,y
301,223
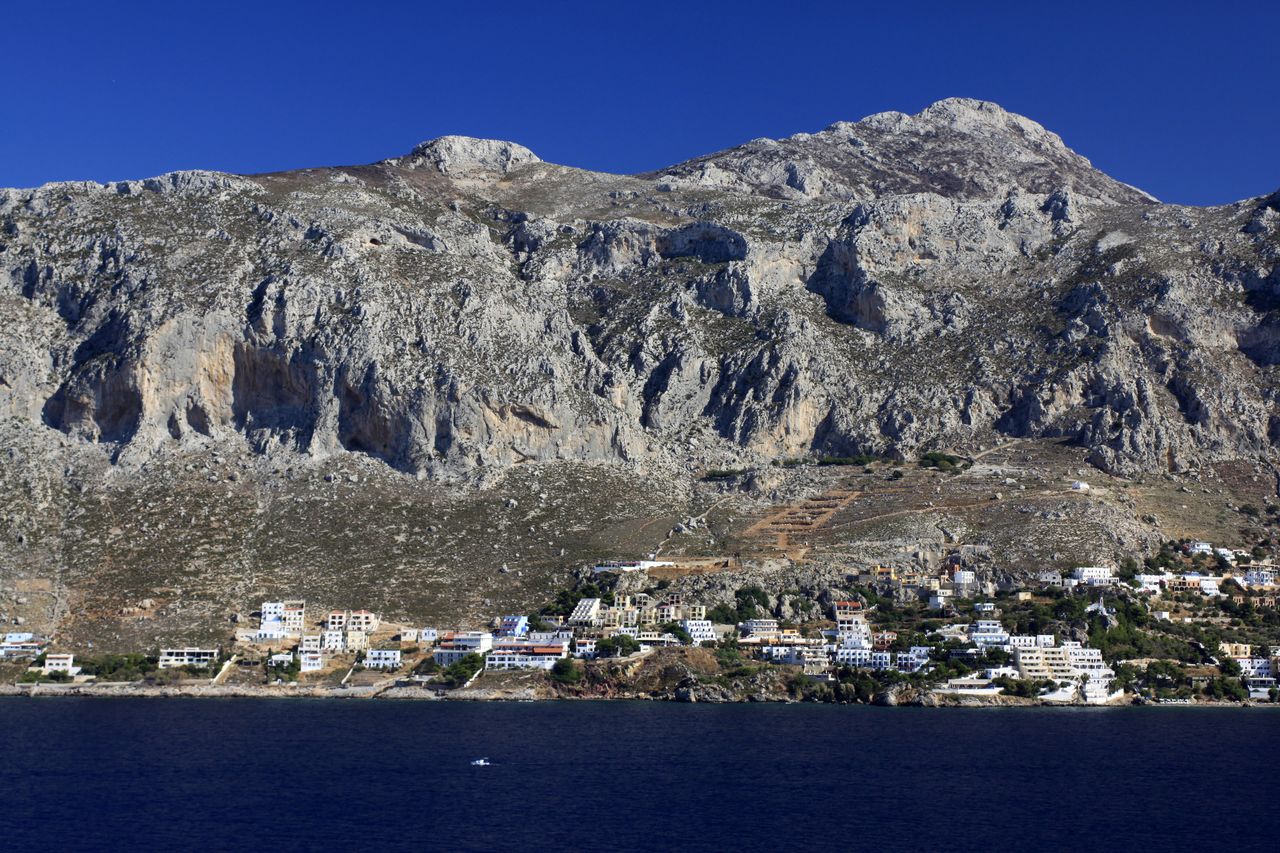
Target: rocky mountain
x,y
887,286
896,283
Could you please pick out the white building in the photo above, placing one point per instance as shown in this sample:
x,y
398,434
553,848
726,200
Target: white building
x,y
452,648
271,629
272,610
294,616
60,663
1200,548
586,613
428,635
940,599
699,630
1255,667
986,633
762,629
585,648
525,655
1260,576
174,658
382,659
310,644
355,640
1153,584
625,566
1032,641
849,656
337,620
311,661
964,577
362,620
1093,575
333,640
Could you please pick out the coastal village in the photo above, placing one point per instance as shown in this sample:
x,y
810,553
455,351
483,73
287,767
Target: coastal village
x,y
1190,625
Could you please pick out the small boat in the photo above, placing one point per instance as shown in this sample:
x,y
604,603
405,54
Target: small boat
x,y
481,762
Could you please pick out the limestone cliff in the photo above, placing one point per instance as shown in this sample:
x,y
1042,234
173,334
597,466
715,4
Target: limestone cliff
x,y
898,283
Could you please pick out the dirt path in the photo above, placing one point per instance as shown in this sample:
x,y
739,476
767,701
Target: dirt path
x,y
804,516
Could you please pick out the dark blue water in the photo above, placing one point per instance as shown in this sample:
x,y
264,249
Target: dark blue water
x,y
280,775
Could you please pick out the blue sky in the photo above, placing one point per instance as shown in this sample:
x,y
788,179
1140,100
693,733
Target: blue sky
x,y
1176,98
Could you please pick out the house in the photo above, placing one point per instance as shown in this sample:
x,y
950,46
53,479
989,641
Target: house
x,y
699,630
941,599
514,626
362,620
355,640
382,659
284,659
337,620
174,658
1093,575
272,611
1255,667
271,629
585,647
428,635
986,633
1200,548
408,635
986,608
1235,649
1260,576
760,629
452,648
294,616
60,663
881,660
20,644
883,639
333,640
311,661
1260,688
964,577
310,644
1153,584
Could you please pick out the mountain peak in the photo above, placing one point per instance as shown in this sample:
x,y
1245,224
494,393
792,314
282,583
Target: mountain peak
x,y
467,155
960,148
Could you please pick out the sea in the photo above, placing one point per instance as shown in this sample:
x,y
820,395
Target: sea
x,y
268,775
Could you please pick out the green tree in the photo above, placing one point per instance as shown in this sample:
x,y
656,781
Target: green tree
x,y
566,671
459,673
619,645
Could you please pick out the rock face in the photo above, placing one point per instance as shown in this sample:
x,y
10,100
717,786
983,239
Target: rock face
x,y
884,286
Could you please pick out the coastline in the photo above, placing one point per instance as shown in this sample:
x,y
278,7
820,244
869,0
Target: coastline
x,y
541,693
